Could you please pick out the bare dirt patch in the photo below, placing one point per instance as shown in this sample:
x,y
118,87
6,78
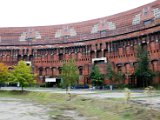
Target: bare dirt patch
x,y
151,102
17,109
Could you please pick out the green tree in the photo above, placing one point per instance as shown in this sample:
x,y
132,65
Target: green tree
x,y
69,75
96,76
114,76
119,77
110,73
3,73
142,72
22,74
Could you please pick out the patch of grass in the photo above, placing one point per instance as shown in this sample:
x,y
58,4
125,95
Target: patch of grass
x,y
111,109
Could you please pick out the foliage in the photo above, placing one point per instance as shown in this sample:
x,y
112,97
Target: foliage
x,y
96,76
114,76
3,73
119,76
22,74
142,71
69,74
121,86
110,73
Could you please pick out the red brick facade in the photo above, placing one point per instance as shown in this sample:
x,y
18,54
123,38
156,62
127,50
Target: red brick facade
x,y
113,38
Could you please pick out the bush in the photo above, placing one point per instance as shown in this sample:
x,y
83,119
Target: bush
x,y
156,86
42,85
121,86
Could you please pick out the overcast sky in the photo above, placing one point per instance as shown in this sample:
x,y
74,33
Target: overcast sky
x,y
50,12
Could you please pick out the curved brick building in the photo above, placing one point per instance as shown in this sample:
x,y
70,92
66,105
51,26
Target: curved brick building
x,y
113,38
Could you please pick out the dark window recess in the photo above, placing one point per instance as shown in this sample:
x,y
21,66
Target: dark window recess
x,y
80,71
60,56
60,70
96,46
23,51
99,54
66,37
119,68
106,45
27,51
99,62
103,32
100,45
146,22
28,64
40,72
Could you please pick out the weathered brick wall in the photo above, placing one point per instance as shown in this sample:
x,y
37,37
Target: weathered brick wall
x,y
118,46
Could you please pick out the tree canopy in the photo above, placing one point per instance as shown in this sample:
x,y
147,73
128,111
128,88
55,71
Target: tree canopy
x,y
110,73
96,76
119,77
69,74
22,74
3,73
143,74
114,76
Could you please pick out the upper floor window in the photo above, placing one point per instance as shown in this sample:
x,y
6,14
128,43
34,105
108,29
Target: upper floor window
x,y
145,11
156,12
111,25
137,19
94,29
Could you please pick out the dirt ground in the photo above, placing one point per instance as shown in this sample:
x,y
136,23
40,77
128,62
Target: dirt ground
x,y
16,109
152,102
25,109
138,98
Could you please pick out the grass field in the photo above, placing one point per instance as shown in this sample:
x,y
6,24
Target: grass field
x,y
80,108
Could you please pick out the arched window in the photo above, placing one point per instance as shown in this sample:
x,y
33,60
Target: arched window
x,y
80,70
